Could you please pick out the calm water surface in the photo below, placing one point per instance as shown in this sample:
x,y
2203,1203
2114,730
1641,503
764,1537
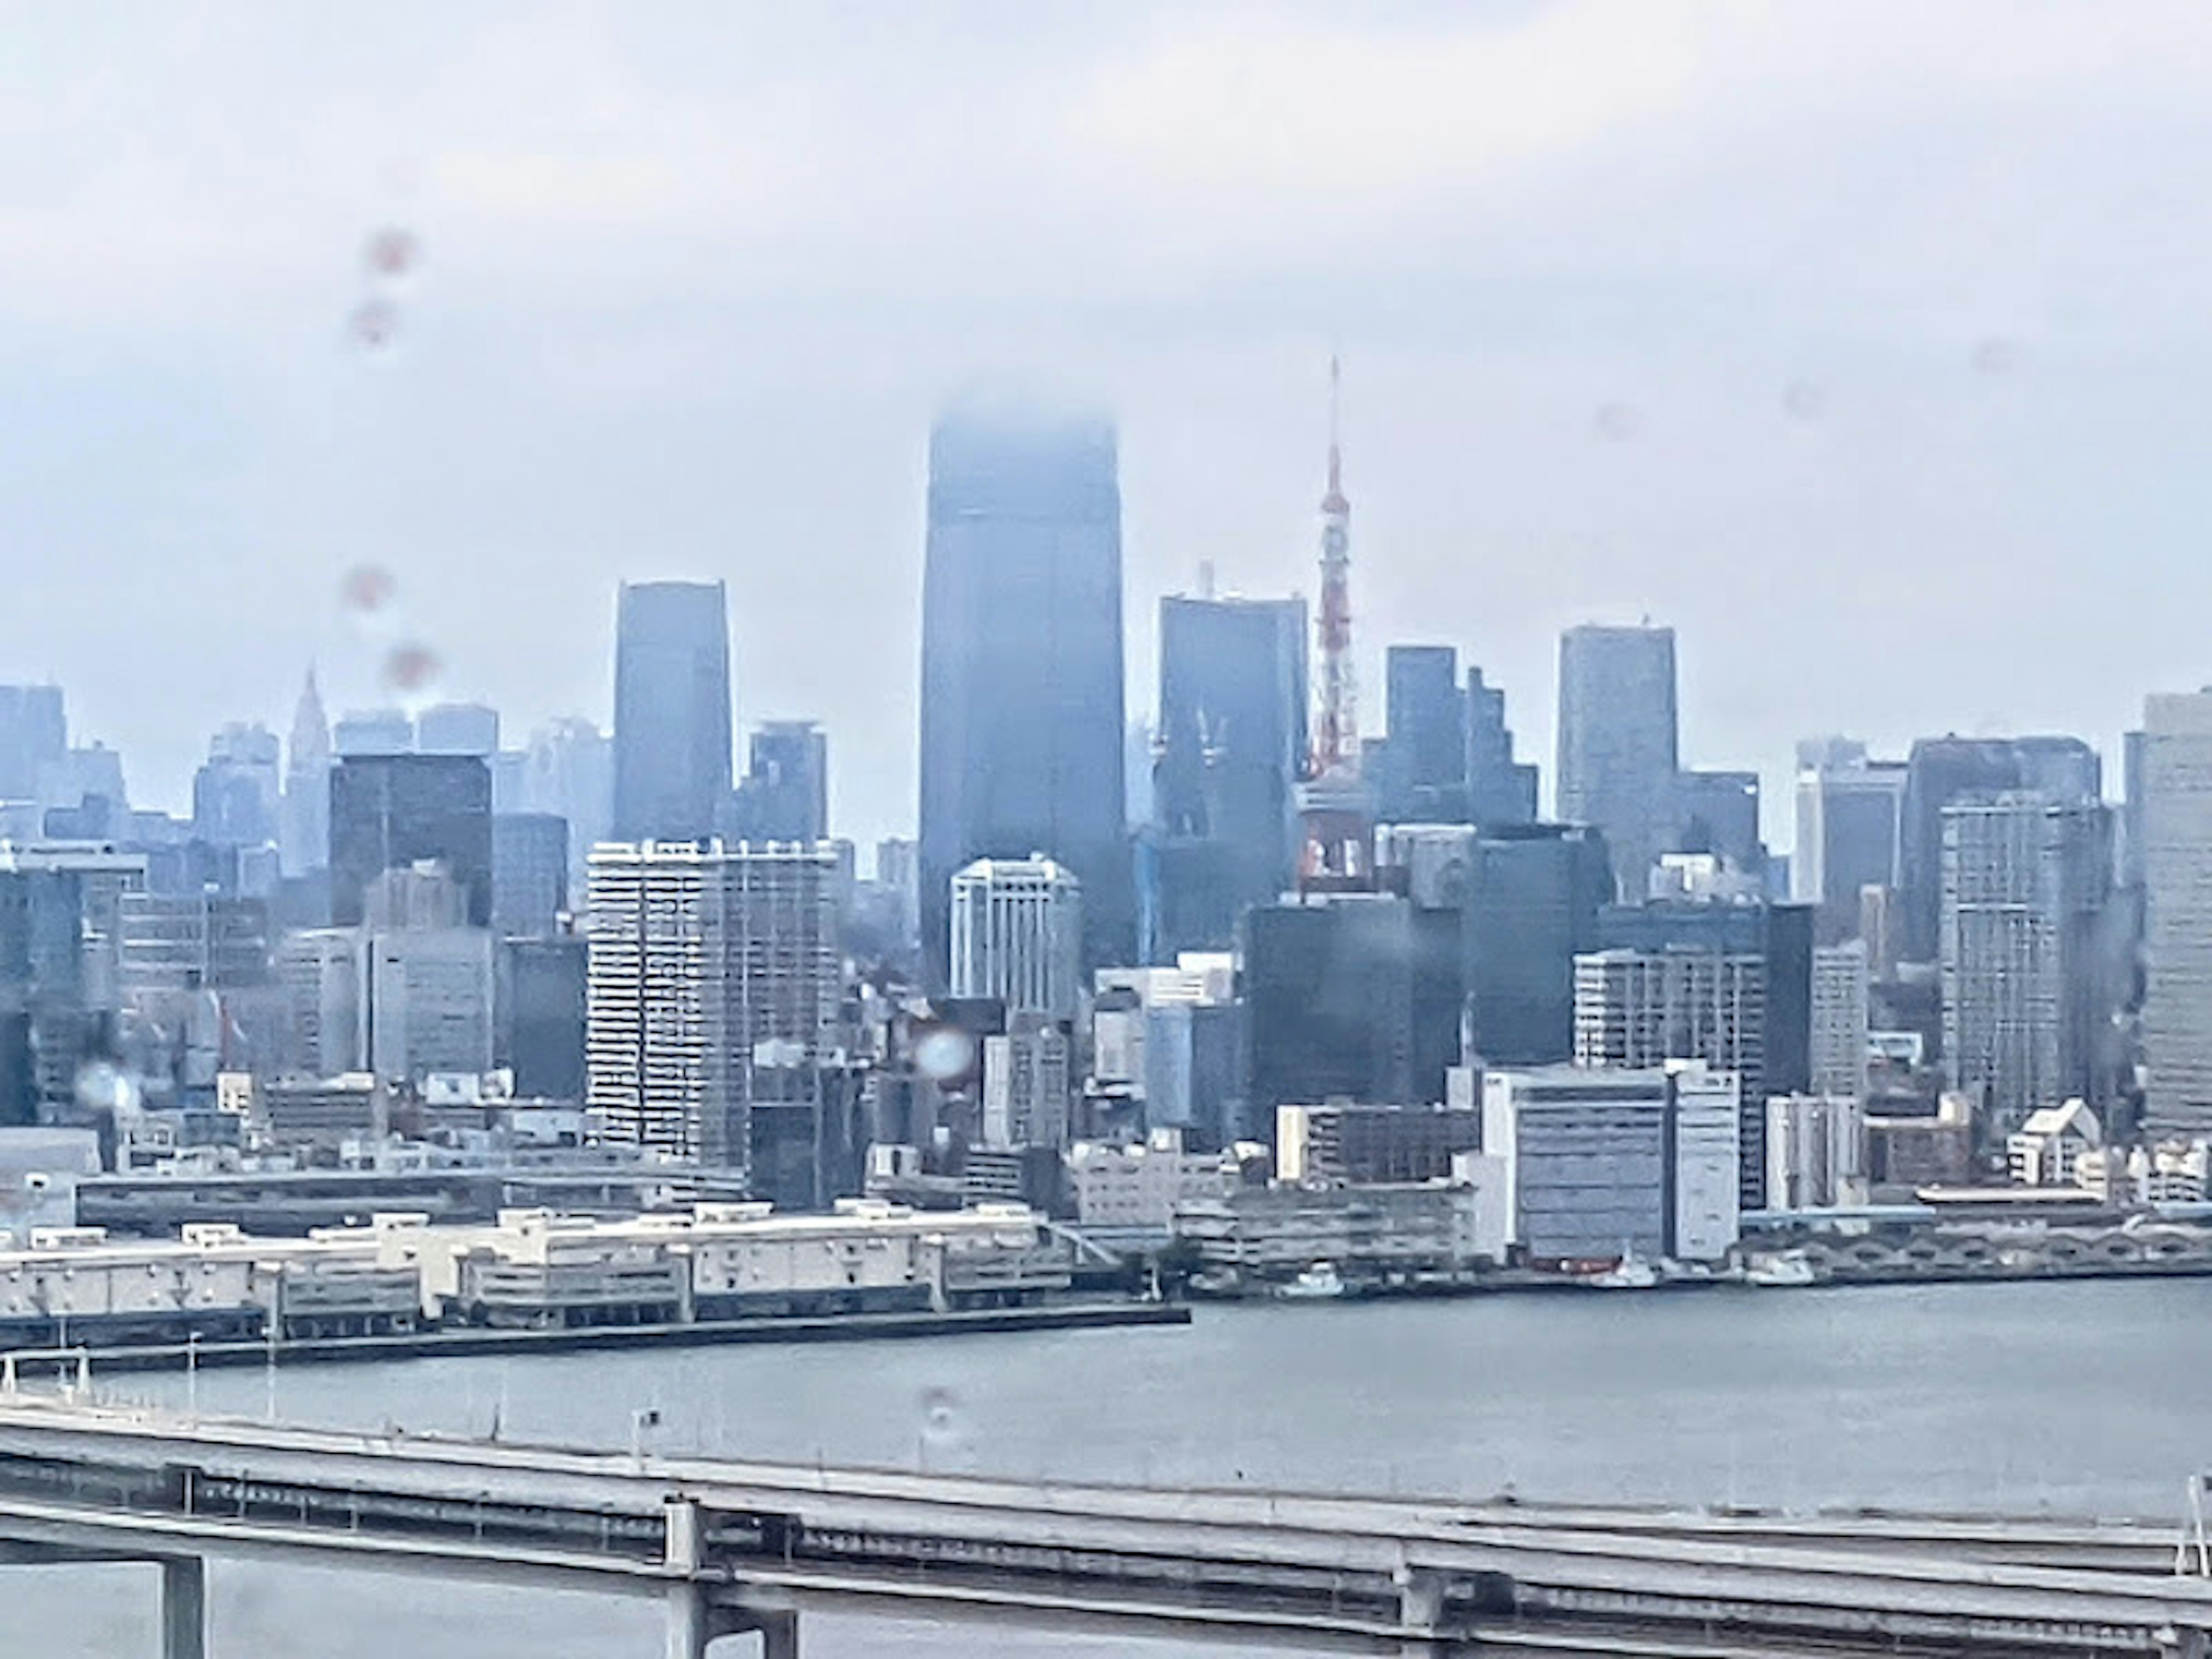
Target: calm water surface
x,y
2087,1398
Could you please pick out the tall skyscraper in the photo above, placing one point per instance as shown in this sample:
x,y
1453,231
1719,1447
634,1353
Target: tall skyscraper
x,y
1617,742
1718,812
2026,1000
1351,995
457,728
1501,791
60,909
1424,762
33,735
716,980
569,771
1232,736
672,710
1851,822
1022,704
1018,935
237,796
1941,770
306,839
373,732
390,811
529,872
786,793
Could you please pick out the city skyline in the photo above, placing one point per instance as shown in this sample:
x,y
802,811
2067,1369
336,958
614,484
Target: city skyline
x,y
1606,352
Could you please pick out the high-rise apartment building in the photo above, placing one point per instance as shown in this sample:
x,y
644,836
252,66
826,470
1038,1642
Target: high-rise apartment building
x,y
1618,757
1840,1020
712,967
672,742
392,812
1022,704
1231,740
1941,770
1018,935
2026,998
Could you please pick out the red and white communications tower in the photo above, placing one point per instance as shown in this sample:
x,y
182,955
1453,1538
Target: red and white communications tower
x,y
1334,810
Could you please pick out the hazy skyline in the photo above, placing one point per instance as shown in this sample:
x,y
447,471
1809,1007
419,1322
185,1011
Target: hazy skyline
x,y
1855,341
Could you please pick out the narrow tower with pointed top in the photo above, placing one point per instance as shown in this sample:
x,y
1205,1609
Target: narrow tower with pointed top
x,y
306,826
1332,804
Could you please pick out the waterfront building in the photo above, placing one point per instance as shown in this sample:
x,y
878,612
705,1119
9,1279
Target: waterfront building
x,y
1618,755
700,953
391,811
1436,1231
1022,701
1340,1142
2025,996
673,712
2176,812
1138,1189
1018,935
1597,1163
2048,1147
1816,1152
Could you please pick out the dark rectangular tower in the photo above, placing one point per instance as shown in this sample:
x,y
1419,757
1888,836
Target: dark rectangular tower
x,y
1617,743
1021,707
672,710
388,812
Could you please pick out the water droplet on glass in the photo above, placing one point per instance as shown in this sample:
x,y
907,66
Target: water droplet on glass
x,y
1802,400
368,588
945,1053
393,252
1995,356
375,324
940,1417
1617,423
411,669
103,1087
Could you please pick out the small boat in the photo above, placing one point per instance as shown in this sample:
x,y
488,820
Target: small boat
x,y
1317,1283
1783,1269
1630,1273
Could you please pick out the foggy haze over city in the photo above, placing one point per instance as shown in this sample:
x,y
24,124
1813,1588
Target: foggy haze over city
x,y
1851,341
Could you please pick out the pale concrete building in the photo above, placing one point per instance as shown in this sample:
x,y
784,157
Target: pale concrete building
x,y
1816,1152
1838,1031
1018,935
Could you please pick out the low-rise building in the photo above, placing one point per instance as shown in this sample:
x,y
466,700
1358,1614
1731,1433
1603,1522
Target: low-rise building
x,y
1139,1188
1342,1143
1436,1231
2049,1144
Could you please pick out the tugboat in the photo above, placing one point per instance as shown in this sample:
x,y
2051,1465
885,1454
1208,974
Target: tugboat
x,y
1319,1282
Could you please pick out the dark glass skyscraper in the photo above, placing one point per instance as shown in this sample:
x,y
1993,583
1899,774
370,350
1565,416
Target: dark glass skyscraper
x,y
1022,707
672,710
786,793
1617,743
388,812
1232,734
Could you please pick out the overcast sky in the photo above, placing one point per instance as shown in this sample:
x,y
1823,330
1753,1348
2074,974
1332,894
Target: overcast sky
x,y
1867,343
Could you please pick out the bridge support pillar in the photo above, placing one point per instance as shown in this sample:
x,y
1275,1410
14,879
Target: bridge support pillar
x,y
690,1622
184,1607
779,1635
1421,1612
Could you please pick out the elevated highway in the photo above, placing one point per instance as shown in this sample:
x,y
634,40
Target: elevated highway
x,y
728,1547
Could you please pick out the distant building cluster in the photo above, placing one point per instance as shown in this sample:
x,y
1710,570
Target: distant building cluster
x,y
1286,965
